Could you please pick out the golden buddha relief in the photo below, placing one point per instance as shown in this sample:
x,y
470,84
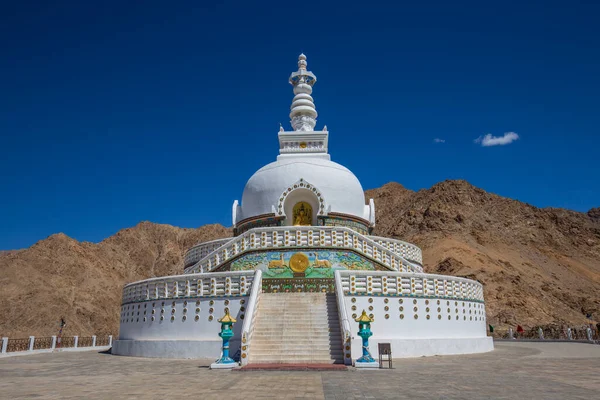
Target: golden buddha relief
x,y
302,214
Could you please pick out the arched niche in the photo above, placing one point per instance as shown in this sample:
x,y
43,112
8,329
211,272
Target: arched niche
x,y
296,199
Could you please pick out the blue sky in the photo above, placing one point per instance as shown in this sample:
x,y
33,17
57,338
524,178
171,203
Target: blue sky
x,y
115,113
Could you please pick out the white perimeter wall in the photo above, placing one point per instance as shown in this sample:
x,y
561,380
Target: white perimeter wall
x,y
453,327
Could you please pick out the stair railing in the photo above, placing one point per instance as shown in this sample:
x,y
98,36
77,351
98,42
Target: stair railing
x,y
344,321
251,311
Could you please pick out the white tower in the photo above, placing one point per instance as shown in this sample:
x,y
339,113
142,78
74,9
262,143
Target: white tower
x,y
303,141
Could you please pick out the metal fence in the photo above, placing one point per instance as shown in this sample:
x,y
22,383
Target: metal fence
x,y
85,341
66,342
17,345
548,333
41,343
102,340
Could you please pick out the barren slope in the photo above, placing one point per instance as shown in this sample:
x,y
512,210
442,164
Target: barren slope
x,y
538,266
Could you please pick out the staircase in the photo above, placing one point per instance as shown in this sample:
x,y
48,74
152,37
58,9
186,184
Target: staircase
x,y
297,328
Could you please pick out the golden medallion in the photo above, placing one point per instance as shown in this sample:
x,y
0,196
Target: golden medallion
x,y
299,262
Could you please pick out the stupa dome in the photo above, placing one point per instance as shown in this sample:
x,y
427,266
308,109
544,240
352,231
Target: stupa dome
x,y
315,180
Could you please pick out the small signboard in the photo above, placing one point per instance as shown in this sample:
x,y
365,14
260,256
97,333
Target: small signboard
x,y
385,349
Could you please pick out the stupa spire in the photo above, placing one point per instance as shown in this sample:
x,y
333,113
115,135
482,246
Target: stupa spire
x,y
303,113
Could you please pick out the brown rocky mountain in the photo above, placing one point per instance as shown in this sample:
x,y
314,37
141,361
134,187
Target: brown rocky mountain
x,y
538,266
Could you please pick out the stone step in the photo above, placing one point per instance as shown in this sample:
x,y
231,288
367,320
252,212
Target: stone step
x,y
270,354
292,348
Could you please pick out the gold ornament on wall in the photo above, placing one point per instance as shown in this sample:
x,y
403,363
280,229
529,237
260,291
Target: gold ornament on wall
x,y
299,262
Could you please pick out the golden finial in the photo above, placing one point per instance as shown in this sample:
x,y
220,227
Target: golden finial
x,y
364,318
227,318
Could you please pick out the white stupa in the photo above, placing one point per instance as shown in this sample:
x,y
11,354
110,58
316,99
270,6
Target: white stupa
x,y
300,269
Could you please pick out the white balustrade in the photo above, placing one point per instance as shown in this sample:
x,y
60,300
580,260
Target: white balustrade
x,y
345,328
408,284
406,250
302,236
190,285
201,250
249,322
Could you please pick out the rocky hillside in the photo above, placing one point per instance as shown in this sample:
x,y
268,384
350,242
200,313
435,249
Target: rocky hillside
x,y
82,281
539,266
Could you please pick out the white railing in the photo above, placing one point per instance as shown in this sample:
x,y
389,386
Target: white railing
x,y
189,285
304,236
201,250
344,321
404,249
409,284
251,312
33,345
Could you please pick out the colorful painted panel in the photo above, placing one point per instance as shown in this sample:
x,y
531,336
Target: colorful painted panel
x,y
301,263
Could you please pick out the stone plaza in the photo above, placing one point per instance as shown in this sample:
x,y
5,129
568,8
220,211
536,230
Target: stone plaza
x,y
514,369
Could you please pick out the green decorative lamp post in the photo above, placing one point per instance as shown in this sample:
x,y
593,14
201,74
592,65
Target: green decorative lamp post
x,y
226,333
364,331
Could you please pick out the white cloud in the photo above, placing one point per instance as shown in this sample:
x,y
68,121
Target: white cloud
x,y
489,140
438,140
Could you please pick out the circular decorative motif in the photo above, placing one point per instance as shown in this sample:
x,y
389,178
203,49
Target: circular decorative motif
x,y
370,308
387,316
299,262
354,316
428,316
386,308
185,303
439,317
152,318
173,311
401,308
197,302
386,301
210,317
426,302
211,310
197,310
415,301
211,303
449,318
400,301
162,318
370,299
353,308
183,318
401,316
427,309
242,309
196,318
371,316
226,302
162,310
173,304
242,301
416,316
243,355
241,316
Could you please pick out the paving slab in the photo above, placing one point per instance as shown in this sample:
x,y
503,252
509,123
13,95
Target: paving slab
x,y
514,370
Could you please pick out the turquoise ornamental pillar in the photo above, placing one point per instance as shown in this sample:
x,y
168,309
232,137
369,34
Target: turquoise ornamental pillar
x,y
226,334
364,331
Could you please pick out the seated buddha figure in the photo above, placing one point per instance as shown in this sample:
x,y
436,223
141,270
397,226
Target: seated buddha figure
x,y
302,214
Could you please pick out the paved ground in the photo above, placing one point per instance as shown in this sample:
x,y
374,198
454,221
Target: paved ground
x,y
513,370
